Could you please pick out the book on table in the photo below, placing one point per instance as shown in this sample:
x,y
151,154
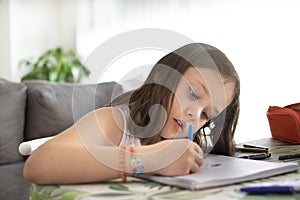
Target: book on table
x,y
220,170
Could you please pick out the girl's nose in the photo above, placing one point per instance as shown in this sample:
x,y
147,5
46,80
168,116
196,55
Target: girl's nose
x,y
192,112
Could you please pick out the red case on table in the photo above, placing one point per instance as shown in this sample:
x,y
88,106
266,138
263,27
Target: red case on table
x,y
285,122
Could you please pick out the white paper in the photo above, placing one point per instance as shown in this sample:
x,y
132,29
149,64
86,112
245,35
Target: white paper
x,y
26,148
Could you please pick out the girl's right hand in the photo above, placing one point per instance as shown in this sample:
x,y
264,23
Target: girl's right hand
x,y
177,157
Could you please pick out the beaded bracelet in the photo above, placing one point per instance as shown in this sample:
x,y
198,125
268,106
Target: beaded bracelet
x,y
136,163
122,162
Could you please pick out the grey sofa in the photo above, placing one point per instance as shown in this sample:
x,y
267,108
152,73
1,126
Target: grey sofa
x,y
36,109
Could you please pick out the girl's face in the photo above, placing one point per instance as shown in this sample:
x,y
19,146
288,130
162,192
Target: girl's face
x,y
201,95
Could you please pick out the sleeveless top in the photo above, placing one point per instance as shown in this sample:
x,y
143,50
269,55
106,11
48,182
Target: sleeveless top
x,y
127,137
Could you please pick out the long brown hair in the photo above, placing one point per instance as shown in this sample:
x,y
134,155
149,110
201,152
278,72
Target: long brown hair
x,y
159,88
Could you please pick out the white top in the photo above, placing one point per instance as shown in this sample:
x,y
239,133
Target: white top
x,y
127,138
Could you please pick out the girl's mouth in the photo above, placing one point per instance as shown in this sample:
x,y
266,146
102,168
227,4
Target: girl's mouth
x,y
179,125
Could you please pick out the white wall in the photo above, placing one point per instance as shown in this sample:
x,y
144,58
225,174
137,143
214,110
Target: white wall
x,y
260,37
33,27
5,70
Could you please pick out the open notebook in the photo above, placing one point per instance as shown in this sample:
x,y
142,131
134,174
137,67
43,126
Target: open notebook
x,y
224,170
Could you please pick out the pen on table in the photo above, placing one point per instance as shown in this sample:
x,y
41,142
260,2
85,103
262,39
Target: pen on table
x,y
191,132
291,156
257,150
257,156
255,146
273,189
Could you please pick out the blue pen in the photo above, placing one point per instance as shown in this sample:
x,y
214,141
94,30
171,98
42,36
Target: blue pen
x,y
275,189
191,132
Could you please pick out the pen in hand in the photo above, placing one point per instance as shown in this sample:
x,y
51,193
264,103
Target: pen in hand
x,y
191,132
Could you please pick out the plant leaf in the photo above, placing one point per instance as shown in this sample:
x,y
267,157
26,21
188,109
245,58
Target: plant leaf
x,y
56,65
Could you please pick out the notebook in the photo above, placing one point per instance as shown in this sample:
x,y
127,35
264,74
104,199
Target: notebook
x,y
224,170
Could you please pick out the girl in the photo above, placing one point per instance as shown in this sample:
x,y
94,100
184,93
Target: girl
x,y
145,130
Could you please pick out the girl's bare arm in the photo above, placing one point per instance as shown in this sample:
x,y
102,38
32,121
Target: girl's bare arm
x,y
71,158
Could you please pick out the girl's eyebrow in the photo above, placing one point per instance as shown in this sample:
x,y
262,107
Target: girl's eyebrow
x,y
197,83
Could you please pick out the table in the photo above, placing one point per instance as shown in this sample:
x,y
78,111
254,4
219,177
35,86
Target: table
x,y
142,189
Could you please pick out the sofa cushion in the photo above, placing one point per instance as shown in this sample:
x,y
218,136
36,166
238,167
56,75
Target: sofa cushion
x,y
12,184
53,107
12,104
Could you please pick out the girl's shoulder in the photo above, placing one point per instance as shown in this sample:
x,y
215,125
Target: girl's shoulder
x,y
119,115
111,122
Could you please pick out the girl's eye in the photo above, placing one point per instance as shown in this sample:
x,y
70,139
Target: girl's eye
x,y
192,93
204,115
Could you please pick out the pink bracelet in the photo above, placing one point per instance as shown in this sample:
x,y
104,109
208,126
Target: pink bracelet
x,y
122,162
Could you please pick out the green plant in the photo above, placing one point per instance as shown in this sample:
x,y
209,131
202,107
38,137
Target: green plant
x,y
56,65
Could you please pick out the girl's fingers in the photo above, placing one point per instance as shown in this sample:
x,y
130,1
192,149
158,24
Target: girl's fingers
x,y
194,168
199,155
197,148
199,160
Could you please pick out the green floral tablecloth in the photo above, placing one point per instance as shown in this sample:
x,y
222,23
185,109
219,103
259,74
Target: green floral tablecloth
x,y
137,189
